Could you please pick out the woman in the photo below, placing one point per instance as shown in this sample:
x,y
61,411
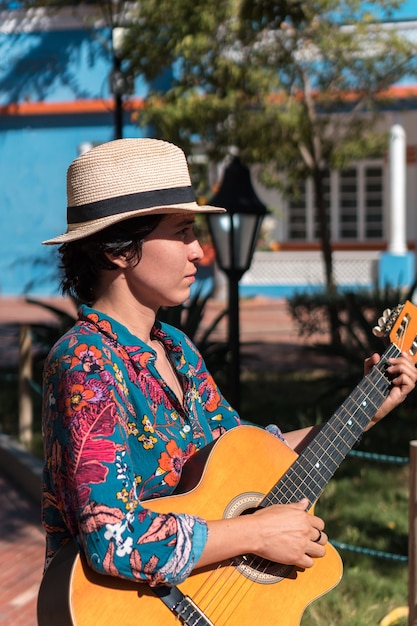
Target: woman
x,y
128,400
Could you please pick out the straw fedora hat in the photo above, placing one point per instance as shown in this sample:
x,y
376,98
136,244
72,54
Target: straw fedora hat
x,y
126,178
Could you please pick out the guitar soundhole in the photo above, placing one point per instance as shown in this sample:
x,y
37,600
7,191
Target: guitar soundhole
x,y
249,565
263,571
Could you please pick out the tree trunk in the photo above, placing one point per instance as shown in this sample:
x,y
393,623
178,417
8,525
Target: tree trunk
x,y
327,253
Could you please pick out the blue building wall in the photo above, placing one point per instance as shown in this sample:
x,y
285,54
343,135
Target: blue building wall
x,y
56,65
34,160
35,150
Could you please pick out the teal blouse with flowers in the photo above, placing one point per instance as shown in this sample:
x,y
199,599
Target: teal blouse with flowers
x,y
115,435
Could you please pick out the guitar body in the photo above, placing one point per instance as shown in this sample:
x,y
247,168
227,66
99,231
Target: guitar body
x,y
229,594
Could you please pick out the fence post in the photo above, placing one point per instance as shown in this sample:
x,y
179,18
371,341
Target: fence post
x,y
25,375
412,537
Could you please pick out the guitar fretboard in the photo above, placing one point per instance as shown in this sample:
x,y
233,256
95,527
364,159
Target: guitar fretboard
x,y
310,473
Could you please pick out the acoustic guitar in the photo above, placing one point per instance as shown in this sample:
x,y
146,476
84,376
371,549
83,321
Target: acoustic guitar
x,y
247,589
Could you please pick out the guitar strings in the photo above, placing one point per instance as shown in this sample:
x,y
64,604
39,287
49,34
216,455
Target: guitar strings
x,y
262,565
237,583
228,581
231,586
211,581
234,588
223,584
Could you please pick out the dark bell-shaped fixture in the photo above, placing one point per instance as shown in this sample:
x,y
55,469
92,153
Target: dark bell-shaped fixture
x,y
234,236
236,232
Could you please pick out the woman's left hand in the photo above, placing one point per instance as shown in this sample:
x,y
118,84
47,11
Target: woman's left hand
x,y
403,375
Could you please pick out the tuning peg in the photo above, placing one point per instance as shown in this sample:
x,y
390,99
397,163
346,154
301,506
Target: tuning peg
x,y
378,331
381,329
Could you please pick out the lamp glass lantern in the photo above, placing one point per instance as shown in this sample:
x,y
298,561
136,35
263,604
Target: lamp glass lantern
x,y
234,237
236,232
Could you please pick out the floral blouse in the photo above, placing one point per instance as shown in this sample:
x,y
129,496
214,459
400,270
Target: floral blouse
x,y
116,435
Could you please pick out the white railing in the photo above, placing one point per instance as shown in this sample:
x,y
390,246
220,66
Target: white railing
x,y
306,268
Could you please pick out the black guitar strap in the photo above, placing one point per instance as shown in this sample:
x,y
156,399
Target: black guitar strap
x,y
182,606
171,596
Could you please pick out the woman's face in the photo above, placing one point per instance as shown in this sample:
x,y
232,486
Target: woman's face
x,y
168,264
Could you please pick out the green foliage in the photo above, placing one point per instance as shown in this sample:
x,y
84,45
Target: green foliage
x,y
261,75
357,312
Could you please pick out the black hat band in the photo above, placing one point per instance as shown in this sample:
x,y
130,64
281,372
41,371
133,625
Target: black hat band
x,y
129,202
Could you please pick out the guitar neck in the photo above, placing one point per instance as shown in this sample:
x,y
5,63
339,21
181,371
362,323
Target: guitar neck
x,y
311,472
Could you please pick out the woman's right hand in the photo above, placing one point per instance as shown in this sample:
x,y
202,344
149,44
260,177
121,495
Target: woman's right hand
x,y
284,533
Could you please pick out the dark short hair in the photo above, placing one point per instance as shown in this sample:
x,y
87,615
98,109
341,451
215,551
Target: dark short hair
x,y
83,260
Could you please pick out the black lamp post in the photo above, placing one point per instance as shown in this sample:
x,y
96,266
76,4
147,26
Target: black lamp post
x,y
234,236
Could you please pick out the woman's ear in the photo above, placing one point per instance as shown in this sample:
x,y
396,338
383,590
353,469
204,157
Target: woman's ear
x,y
119,260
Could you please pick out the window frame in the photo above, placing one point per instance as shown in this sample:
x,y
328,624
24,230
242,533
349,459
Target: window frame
x,y
362,224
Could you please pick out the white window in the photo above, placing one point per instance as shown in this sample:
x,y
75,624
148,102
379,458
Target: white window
x,y
354,201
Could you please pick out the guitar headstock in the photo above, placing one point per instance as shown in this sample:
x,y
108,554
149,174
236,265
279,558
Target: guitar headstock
x,y
400,325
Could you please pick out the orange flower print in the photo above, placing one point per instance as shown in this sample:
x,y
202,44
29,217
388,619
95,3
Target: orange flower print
x,y
213,397
171,462
78,398
89,356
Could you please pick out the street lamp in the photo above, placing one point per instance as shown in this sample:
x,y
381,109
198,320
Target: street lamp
x,y
234,236
120,81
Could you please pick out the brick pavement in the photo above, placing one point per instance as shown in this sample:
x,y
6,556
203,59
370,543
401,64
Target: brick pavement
x,y
22,548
